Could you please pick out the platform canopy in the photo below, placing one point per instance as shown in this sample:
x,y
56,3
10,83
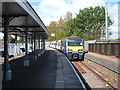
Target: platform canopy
x,y
22,15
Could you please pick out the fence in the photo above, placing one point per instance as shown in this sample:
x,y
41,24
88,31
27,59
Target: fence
x,y
110,48
14,49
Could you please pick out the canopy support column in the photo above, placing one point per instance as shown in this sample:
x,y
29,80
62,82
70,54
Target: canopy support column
x,y
31,47
26,61
23,43
35,57
32,43
39,54
7,72
43,45
16,44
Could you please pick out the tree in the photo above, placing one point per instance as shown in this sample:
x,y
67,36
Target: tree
x,y
0,39
61,27
10,39
68,16
58,27
89,24
52,28
21,40
118,38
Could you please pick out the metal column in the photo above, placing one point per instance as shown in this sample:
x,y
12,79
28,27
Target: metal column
x,y
43,45
26,61
32,43
35,56
23,41
16,44
32,40
39,54
7,72
40,43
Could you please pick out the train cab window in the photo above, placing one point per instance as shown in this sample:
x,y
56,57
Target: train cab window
x,y
75,43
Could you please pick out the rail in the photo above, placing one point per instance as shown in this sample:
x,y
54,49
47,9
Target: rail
x,y
116,71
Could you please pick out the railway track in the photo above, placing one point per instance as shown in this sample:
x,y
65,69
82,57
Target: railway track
x,y
101,64
79,67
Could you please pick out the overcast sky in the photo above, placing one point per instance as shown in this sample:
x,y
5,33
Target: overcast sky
x,y
52,10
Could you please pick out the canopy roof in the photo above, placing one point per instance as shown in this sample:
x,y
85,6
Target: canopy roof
x,y
22,15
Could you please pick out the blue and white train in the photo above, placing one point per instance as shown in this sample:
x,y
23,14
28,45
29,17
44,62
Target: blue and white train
x,y
72,47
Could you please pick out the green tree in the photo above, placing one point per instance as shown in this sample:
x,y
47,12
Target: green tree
x,y
61,27
21,40
58,27
52,28
11,39
118,38
89,24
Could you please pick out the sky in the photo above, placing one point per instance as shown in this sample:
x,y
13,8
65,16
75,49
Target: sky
x,y
52,10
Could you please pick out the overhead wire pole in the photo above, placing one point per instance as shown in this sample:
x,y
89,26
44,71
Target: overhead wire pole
x,y
106,21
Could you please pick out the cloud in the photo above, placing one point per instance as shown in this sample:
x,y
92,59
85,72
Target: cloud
x,y
52,10
114,31
112,10
113,13
58,8
48,19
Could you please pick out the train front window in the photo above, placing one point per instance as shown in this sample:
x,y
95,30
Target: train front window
x,y
74,42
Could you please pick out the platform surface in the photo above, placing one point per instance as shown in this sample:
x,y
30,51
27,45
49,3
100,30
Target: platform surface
x,y
51,70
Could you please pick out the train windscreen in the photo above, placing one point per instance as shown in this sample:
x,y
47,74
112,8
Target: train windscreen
x,y
75,43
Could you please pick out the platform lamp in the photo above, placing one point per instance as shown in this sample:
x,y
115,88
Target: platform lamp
x,y
52,34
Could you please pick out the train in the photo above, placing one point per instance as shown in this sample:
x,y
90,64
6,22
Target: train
x,y
72,47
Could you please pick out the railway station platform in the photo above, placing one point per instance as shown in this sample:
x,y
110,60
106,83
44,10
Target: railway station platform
x,y
51,70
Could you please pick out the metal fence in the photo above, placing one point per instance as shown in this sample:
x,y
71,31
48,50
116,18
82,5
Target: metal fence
x,y
13,49
110,48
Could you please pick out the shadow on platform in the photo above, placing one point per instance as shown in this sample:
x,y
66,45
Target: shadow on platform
x,y
40,74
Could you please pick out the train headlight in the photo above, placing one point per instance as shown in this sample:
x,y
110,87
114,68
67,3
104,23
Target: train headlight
x,y
80,49
69,49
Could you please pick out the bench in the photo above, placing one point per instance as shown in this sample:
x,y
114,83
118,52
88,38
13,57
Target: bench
x,y
9,56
